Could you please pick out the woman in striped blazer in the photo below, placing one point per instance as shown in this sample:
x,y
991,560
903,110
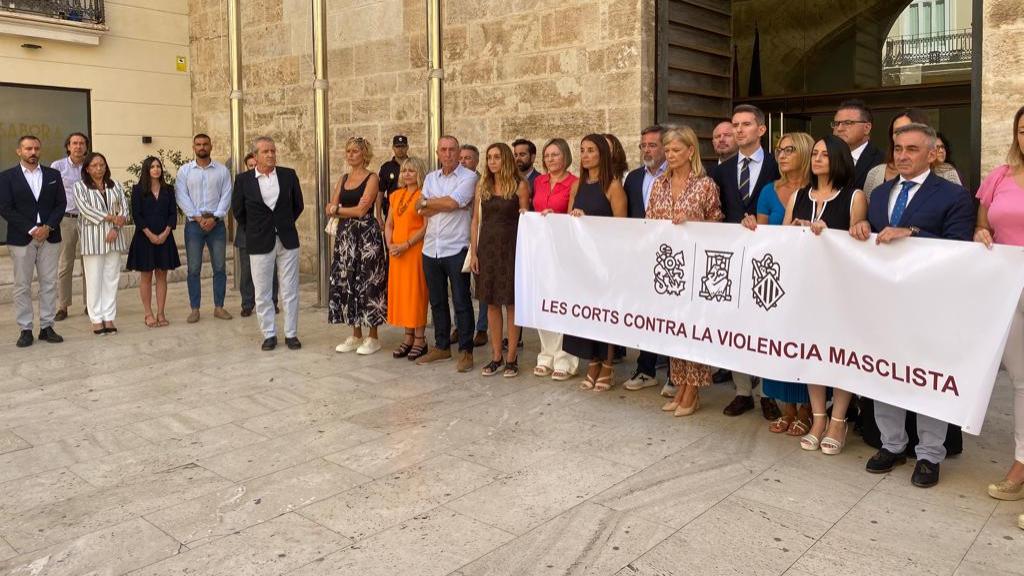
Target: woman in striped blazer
x,y
104,211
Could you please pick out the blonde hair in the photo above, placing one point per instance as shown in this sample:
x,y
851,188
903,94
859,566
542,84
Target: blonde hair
x,y
416,164
688,137
363,145
507,177
803,143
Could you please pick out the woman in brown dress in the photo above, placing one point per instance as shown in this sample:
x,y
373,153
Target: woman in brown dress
x,y
501,196
684,193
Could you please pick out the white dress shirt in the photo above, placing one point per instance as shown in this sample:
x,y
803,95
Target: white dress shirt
x,y
35,182
269,188
756,162
69,174
895,192
448,232
858,151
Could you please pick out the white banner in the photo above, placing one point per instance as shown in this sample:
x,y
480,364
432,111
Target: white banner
x,y
920,323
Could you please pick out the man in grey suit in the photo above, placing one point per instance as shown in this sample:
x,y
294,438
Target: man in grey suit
x,y
32,201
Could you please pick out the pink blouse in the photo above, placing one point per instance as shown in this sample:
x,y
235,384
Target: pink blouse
x,y
1004,198
554,198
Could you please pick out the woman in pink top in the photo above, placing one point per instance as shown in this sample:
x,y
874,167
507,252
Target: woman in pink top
x,y
1001,220
551,192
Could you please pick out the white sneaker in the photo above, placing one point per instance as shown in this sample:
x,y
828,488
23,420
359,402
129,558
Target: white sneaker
x,y
369,346
639,381
669,389
351,343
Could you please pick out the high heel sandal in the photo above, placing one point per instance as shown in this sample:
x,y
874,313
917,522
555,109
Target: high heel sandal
x,y
688,410
832,446
403,349
605,383
417,350
589,382
809,441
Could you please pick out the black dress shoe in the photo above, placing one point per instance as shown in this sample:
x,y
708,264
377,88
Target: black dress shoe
x,y
246,312
739,405
61,315
884,461
721,376
48,335
269,344
26,339
769,409
293,343
926,474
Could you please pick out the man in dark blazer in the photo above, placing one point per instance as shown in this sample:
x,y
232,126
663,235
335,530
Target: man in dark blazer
x,y
739,181
246,289
266,202
917,203
852,124
638,186
32,201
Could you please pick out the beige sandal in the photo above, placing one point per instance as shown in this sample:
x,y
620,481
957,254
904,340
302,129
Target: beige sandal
x,y
810,442
588,382
605,383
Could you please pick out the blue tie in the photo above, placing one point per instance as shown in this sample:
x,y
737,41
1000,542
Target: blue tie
x,y
901,202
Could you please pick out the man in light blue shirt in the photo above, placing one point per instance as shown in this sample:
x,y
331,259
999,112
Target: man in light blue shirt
x,y
446,202
203,191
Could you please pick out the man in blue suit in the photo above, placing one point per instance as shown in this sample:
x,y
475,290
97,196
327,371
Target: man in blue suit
x,y
739,181
638,194
917,203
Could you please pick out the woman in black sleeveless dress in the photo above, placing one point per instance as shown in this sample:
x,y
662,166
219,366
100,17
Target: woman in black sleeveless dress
x,y
831,201
596,193
359,281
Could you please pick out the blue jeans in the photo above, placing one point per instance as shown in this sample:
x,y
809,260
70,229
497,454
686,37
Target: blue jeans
x,y
439,272
216,241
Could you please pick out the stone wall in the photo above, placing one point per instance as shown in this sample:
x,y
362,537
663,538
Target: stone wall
x,y
535,69
1002,78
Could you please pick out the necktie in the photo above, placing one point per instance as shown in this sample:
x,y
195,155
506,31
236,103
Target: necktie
x,y
745,179
901,202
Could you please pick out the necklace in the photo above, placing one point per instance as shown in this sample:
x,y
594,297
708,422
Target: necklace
x,y
404,203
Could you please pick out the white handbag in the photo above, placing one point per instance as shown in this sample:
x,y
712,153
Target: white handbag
x,y
332,226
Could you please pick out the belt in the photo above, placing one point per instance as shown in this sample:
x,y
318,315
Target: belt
x,y
70,215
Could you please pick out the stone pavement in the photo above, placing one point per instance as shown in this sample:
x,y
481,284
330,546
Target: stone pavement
x,y
187,450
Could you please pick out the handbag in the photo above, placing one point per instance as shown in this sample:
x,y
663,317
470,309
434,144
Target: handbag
x,y
332,226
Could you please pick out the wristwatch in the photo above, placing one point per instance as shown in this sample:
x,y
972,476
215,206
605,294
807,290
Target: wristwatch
x,y
914,230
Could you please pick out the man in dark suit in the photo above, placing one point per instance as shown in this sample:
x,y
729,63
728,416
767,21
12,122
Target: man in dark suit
x,y
638,193
739,181
266,202
852,124
917,203
32,201
246,289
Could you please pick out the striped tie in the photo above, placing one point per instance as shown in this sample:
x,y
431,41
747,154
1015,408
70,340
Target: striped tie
x,y
745,179
901,202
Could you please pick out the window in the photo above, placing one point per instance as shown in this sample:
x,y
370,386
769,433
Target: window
x,y
940,16
912,20
48,113
926,18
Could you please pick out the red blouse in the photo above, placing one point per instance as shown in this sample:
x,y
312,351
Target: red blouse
x,y
554,198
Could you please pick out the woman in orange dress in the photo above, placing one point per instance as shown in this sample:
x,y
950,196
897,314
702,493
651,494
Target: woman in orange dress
x,y
407,286
684,194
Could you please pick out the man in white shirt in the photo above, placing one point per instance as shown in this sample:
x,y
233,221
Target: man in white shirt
x,y
32,202
446,202
203,191
70,168
852,124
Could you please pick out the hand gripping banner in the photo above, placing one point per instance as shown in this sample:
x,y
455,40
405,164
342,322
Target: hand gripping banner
x,y
919,323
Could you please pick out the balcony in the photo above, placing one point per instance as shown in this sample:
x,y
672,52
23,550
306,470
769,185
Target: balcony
x,y
952,47
75,21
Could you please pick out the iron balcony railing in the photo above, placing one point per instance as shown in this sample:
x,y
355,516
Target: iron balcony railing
x,y
943,48
90,11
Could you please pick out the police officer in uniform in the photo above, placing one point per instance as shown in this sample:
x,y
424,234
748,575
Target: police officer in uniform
x,y
389,170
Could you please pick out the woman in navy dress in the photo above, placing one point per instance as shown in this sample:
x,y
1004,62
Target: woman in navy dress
x,y
153,251
597,193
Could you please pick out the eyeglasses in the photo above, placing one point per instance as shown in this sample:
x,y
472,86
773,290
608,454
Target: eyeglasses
x,y
787,151
847,123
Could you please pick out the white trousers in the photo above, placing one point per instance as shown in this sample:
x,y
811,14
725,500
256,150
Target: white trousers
x,y
102,275
552,355
1013,359
262,266
39,258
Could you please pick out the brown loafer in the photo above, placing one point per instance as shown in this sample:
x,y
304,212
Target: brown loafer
x,y
770,409
465,362
62,314
739,405
222,314
193,316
